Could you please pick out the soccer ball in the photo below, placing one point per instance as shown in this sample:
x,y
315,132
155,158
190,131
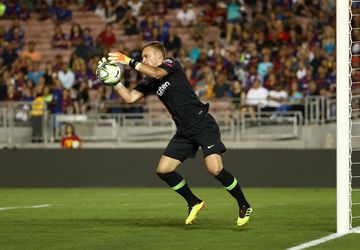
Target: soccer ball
x,y
108,74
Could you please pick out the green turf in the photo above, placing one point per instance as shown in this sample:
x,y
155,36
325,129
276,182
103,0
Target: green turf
x,y
124,218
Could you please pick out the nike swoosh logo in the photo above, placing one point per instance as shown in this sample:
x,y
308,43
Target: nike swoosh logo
x,y
210,146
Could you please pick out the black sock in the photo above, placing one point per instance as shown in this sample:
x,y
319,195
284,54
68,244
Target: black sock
x,y
231,185
178,184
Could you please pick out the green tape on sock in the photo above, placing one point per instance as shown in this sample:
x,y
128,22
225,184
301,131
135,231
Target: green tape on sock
x,y
232,185
180,185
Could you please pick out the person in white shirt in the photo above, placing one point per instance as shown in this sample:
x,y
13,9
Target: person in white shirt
x,y
135,6
186,16
66,77
255,98
276,97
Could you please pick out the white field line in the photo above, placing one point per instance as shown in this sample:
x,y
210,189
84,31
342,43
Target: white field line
x,y
323,240
35,206
355,230
316,242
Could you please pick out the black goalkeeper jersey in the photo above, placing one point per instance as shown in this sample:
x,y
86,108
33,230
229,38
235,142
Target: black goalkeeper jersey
x,y
176,93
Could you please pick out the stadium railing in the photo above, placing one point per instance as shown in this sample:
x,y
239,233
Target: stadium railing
x,y
157,125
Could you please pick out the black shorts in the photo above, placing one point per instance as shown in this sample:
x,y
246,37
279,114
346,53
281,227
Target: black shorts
x,y
205,133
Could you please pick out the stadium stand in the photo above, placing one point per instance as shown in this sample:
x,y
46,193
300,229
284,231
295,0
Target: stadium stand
x,y
286,44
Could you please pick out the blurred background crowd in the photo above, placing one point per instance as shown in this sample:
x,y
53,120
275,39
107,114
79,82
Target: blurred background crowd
x,y
267,53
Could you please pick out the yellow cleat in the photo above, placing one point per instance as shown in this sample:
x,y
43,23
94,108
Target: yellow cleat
x,y
193,212
244,216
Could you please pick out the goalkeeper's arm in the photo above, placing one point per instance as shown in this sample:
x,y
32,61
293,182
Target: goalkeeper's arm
x,y
129,96
150,71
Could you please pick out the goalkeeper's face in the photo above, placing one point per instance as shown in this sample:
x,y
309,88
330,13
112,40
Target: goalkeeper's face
x,y
152,57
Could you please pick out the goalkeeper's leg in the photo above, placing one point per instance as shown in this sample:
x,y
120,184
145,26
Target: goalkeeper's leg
x,y
215,167
166,172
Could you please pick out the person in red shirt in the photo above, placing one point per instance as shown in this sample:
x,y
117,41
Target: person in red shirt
x,y
70,139
107,37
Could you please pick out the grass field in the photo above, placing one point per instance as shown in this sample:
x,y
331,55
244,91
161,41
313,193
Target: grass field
x,y
124,218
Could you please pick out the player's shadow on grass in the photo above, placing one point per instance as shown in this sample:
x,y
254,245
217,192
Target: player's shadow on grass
x,y
201,224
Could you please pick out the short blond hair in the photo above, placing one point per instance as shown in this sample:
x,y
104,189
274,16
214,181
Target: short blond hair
x,y
156,45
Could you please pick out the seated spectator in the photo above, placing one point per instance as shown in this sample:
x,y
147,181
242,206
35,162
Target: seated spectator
x,y
66,77
238,95
27,95
161,7
208,15
186,16
82,99
232,64
255,98
76,35
295,98
9,55
312,89
20,82
205,87
35,73
276,98
120,10
100,10
147,7
12,9
196,49
147,27
43,11
130,24
24,12
163,27
62,11
264,66
31,53
173,43
16,25
221,88
59,39
301,72
67,102
49,73
12,94
106,11
328,40
135,7
70,140
271,81
16,40
89,41
107,37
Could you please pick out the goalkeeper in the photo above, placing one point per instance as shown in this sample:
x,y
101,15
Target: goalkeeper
x,y
195,126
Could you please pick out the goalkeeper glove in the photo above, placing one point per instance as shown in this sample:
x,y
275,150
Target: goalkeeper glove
x,y
101,62
117,57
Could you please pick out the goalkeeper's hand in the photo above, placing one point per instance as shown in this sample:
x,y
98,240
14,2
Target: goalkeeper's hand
x,y
101,62
117,57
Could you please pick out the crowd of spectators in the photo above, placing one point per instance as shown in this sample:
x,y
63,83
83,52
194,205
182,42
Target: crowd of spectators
x,y
271,53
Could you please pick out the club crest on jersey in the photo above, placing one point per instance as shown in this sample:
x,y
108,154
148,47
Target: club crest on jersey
x,y
169,61
162,88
